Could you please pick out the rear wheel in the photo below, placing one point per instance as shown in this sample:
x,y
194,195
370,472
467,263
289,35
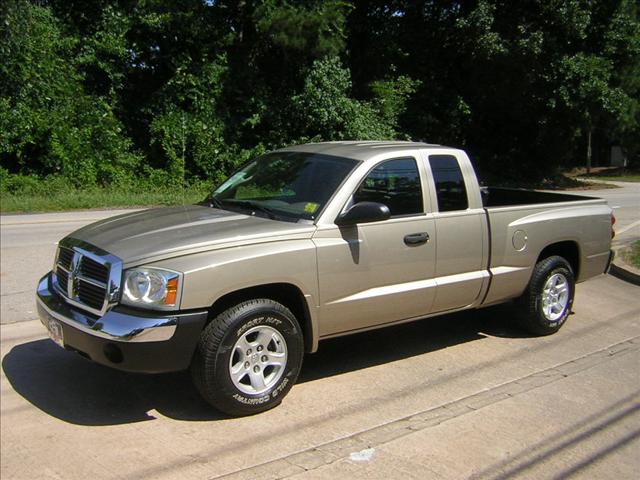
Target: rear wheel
x,y
547,301
248,357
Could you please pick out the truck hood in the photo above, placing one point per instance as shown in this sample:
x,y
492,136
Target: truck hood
x,y
167,232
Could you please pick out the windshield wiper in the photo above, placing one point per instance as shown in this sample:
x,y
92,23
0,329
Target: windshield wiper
x,y
215,202
212,202
254,207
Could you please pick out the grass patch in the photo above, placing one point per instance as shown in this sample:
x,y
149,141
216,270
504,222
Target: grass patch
x,y
627,178
95,198
43,199
613,174
631,255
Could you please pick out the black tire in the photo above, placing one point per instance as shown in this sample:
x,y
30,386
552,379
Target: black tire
x,y
221,347
535,315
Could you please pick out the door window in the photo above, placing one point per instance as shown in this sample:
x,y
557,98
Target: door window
x,y
396,184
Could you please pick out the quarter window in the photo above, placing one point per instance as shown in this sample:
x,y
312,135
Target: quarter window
x,y
450,187
395,183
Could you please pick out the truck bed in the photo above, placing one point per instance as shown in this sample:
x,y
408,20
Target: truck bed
x,y
522,222
511,197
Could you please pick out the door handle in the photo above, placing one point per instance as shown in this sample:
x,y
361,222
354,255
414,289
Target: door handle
x,y
416,238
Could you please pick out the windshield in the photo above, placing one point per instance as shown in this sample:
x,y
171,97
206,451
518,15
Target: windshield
x,y
284,185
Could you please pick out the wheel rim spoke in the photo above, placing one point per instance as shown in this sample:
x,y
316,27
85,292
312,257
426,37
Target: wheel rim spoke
x,y
242,345
276,359
257,380
239,375
264,338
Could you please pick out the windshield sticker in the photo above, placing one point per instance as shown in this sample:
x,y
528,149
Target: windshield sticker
x,y
311,207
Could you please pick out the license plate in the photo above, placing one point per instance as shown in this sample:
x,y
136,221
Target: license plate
x,y
55,331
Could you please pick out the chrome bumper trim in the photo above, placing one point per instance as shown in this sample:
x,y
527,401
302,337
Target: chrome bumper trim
x,y
113,325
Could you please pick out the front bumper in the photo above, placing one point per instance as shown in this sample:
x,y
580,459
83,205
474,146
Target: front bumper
x,y
123,338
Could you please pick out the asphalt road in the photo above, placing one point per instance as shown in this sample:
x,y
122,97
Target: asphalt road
x,y
27,249
462,396
625,202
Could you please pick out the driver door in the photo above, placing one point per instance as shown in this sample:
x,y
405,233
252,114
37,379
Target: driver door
x,y
379,272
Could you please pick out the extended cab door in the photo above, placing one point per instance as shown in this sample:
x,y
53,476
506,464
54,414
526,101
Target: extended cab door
x,y
462,233
379,272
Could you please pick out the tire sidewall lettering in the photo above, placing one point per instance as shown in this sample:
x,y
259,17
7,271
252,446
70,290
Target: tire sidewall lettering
x,y
262,320
251,401
264,398
281,386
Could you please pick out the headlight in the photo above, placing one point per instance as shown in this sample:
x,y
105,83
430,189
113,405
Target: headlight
x,y
151,287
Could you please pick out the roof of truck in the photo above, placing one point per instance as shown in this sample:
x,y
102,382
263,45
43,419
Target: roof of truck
x,y
359,150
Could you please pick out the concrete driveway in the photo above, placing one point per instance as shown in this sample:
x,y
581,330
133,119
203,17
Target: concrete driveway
x,y
461,396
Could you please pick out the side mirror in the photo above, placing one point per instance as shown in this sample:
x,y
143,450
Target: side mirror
x,y
364,212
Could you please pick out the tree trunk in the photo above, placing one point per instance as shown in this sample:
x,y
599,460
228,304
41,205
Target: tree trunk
x,y
589,150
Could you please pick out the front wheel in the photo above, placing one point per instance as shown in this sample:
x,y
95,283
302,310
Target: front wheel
x,y
248,357
547,301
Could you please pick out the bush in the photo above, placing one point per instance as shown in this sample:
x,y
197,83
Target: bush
x,y
324,109
49,124
21,185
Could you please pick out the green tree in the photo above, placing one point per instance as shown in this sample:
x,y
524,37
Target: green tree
x,y
272,48
100,91
49,124
324,109
187,131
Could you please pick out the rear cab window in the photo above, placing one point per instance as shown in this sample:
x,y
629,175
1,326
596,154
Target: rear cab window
x,y
451,191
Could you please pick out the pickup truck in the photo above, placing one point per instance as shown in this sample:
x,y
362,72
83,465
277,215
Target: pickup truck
x,y
312,242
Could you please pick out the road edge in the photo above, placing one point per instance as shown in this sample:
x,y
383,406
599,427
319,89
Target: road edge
x,y
620,269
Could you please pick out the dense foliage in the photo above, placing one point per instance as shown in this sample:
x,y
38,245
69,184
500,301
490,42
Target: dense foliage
x,y
108,92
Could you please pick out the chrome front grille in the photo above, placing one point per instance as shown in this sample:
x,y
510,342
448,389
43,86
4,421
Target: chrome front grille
x,y
63,278
92,295
86,276
65,257
94,270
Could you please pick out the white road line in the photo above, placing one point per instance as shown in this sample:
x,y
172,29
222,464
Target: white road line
x,y
628,227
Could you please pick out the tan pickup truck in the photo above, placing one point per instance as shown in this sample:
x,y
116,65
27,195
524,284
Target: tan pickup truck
x,y
312,242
